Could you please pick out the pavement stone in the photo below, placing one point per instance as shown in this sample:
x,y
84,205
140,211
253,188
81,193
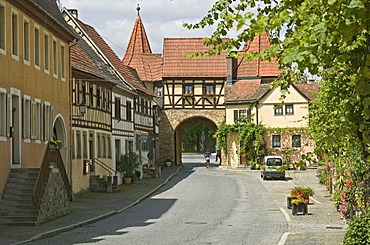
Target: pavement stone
x,y
89,207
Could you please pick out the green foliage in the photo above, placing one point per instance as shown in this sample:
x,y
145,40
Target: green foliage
x,y
250,135
128,164
193,138
358,231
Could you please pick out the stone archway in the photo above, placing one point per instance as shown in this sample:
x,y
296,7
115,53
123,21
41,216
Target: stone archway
x,y
59,133
175,123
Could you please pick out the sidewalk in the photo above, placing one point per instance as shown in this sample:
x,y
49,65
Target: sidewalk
x,y
89,208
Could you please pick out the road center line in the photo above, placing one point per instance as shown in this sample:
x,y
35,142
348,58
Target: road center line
x,y
284,238
287,217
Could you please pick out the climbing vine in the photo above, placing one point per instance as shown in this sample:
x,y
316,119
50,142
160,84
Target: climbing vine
x,y
252,143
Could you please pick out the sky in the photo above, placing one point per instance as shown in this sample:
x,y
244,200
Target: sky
x,y
114,19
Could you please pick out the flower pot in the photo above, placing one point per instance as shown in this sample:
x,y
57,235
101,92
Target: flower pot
x,y
168,164
127,180
299,208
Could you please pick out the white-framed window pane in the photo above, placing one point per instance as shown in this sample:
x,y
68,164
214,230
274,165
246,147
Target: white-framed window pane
x,y
98,145
2,27
2,113
278,110
26,40
27,118
78,144
276,141
84,141
47,120
289,110
63,62
103,143
55,58
242,113
46,52
37,47
109,147
38,120
15,34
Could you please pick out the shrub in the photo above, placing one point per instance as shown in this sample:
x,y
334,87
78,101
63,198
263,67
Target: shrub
x,y
358,231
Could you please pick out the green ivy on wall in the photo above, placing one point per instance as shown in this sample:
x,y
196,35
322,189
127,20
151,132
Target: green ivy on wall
x,y
252,143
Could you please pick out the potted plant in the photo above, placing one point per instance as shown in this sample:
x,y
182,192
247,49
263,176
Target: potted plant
x,y
128,165
299,204
300,193
55,144
168,162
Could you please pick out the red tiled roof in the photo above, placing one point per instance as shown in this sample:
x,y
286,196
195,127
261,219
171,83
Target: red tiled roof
x,y
126,72
309,90
82,63
246,90
257,67
176,64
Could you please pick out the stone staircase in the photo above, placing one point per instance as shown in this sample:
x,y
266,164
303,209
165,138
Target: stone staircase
x,y
103,183
16,206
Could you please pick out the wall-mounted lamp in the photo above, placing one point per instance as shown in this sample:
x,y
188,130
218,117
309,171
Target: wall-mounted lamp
x,y
82,109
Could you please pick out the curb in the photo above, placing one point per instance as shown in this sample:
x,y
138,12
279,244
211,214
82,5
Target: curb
x,y
98,218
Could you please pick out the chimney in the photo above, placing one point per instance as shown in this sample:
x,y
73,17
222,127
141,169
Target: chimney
x,y
230,71
74,13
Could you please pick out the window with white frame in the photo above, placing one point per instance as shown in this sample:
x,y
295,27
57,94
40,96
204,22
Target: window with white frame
x,y
109,147
27,117
78,144
46,53
47,121
84,141
296,141
37,46
278,110
38,120
26,41
63,62
210,90
15,34
2,112
289,110
55,58
98,144
276,141
2,28
103,143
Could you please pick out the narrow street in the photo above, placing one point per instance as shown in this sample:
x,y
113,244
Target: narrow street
x,y
203,205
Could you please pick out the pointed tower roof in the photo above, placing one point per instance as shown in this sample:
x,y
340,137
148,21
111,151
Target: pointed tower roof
x,y
139,54
138,43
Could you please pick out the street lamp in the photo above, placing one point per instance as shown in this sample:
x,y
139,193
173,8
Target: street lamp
x,y
82,109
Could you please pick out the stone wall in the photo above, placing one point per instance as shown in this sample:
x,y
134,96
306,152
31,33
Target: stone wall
x,y
55,202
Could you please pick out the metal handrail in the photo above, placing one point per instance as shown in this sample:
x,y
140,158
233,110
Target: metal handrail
x,y
105,167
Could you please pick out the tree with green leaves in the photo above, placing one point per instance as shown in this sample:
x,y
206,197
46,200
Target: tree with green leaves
x,y
327,38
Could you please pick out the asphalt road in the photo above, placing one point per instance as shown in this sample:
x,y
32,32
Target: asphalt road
x,y
197,206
